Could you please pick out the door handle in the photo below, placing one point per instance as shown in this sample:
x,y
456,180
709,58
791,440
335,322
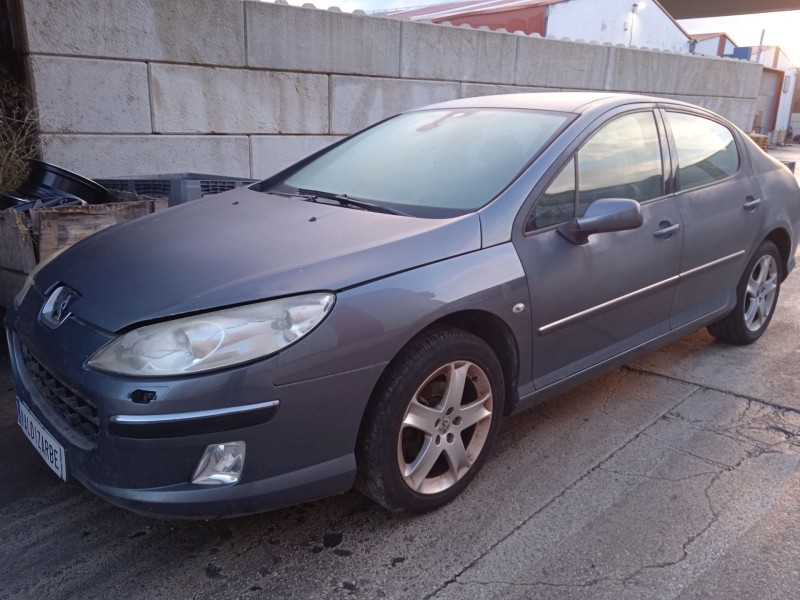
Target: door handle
x,y
751,203
666,230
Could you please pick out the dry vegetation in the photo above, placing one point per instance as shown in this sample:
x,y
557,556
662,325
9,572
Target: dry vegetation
x,y
19,138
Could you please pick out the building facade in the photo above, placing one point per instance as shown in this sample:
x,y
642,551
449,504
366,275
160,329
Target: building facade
x,y
778,85
714,44
643,23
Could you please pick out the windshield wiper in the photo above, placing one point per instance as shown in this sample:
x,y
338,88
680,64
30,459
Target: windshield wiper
x,y
346,200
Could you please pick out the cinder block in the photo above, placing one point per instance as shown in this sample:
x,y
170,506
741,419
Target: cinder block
x,y
190,99
471,90
119,155
360,101
555,63
643,71
188,31
80,95
301,39
272,153
434,52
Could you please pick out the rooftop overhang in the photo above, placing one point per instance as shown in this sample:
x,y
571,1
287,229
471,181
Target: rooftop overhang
x,y
692,9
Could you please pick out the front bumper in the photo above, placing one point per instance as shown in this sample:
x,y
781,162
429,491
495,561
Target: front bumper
x,y
300,437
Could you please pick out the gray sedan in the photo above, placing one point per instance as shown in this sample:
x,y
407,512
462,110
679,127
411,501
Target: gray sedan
x,y
369,315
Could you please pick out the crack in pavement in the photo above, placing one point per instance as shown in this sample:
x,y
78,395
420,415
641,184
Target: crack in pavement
x,y
770,419
454,578
654,478
529,584
761,451
629,579
710,462
714,389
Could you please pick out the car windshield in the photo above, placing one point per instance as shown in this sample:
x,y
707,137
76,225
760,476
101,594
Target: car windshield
x,y
434,163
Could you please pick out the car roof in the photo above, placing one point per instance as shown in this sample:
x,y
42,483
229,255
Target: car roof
x,y
574,102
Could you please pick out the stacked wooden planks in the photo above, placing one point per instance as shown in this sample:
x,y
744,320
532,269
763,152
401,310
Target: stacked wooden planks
x,y
761,140
27,238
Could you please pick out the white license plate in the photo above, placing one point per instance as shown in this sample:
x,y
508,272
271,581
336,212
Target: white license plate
x,y
51,451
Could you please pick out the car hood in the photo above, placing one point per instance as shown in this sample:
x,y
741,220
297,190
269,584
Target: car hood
x,y
239,247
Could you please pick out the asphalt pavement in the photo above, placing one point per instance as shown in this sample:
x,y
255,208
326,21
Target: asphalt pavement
x,y
677,476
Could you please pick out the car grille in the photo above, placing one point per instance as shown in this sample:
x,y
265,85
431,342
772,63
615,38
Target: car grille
x,y
78,414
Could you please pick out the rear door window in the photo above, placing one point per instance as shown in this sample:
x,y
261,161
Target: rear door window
x,y
707,152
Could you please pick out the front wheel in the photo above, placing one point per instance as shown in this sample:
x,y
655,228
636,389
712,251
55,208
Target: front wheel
x,y
431,422
757,297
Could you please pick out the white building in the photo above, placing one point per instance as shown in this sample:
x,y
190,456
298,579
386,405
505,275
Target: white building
x,y
642,23
780,78
714,44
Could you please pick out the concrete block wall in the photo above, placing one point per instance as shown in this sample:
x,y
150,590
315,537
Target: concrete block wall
x,y
245,88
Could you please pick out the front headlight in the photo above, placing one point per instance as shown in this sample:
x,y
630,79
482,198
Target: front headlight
x,y
213,340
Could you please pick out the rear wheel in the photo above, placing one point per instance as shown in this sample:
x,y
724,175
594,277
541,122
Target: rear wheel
x,y
431,422
757,297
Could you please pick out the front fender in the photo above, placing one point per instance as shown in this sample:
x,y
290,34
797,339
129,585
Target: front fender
x,y
372,322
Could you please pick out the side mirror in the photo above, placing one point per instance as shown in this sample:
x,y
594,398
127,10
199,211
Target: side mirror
x,y
606,214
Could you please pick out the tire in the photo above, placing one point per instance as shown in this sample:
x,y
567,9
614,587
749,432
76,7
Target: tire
x,y
420,445
756,298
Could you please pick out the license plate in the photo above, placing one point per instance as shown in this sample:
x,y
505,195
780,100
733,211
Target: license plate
x,y
51,451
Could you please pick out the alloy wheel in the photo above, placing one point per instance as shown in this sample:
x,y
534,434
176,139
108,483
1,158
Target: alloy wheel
x,y
445,427
760,292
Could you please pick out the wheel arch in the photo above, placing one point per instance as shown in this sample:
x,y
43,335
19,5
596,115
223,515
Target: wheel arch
x,y
492,330
495,332
781,238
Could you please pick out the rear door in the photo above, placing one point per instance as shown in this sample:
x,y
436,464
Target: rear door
x,y
592,302
720,205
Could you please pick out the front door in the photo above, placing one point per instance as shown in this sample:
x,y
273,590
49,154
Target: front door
x,y
592,302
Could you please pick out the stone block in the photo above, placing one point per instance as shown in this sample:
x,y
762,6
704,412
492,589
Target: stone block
x,y
360,101
189,99
121,155
554,63
78,95
471,90
300,39
187,31
738,111
271,153
701,75
662,73
452,53
643,71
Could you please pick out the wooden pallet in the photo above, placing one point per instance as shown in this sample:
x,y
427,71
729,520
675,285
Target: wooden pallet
x,y
23,244
761,140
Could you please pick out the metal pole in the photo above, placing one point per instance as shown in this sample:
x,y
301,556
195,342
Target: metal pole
x,y
760,44
633,17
